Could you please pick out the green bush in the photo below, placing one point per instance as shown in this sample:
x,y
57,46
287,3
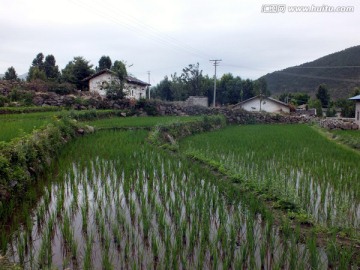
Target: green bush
x,y
3,100
61,88
22,160
23,97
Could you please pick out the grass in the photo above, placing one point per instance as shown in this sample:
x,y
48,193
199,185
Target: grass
x,y
16,125
348,137
141,121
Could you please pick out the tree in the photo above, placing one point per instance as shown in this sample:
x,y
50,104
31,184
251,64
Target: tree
x,y
77,70
163,90
35,73
315,103
296,99
10,74
38,61
192,77
323,95
348,106
120,69
230,88
43,70
115,89
260,87
104,63
247,90
50,68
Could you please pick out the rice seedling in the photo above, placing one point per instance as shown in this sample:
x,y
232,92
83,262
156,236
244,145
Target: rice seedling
x,y
303,176
138,207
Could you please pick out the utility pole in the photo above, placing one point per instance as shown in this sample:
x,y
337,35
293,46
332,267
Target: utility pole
x,y
149,82
216,63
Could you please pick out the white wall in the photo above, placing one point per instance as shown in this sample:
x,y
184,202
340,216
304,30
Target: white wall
x,y
135,91
132,90
267,105
96,84
357,113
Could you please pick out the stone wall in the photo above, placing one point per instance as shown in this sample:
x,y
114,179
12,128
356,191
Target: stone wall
x,y
86,100
233,116
339,123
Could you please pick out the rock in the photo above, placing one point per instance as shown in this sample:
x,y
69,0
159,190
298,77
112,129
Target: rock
x,y
117,106
90,129
123,114
80,131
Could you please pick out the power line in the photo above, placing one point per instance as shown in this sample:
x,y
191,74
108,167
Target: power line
x,y
216,63
140,27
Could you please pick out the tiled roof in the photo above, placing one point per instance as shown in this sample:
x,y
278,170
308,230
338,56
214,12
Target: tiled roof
x,y
355,98
129,79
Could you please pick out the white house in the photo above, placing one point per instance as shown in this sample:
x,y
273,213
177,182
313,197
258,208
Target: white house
x,y
262,103
357,109
135,88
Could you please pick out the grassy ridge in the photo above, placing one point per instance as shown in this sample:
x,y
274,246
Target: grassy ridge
x,y
348,137
141,121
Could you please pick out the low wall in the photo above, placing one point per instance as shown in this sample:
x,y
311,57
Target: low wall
x,y
233,116
339,123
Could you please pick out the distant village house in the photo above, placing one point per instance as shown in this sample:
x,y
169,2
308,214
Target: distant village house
x,y
357,109
135,88
262,103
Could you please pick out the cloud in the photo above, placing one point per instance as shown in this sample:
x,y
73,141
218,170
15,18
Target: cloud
x,y
165,36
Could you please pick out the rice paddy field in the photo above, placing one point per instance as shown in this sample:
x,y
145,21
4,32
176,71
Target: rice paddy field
x,y
16,125
292,163
113,201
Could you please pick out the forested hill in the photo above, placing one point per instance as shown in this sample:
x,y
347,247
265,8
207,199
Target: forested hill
x,y
336,70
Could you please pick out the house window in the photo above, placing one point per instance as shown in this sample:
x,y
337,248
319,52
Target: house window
x,y
358,115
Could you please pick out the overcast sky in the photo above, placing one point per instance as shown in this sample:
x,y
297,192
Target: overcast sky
x,y
164,36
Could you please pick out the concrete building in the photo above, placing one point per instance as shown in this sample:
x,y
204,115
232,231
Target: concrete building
x,y
135,88
357,109
262,103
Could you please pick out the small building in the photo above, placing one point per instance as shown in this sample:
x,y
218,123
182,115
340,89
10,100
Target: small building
x,y
262,103
135,88
357,109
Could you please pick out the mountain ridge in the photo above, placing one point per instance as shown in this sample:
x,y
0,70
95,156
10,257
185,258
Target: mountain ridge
x,y
340,71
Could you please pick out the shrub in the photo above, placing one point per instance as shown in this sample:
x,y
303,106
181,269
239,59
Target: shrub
x,y
61,88
3,101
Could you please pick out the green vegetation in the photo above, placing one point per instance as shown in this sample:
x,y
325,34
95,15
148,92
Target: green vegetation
x,y
17,125
348,137
141,121
191,82
307,77
124,203
112,200
293,165
32,109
